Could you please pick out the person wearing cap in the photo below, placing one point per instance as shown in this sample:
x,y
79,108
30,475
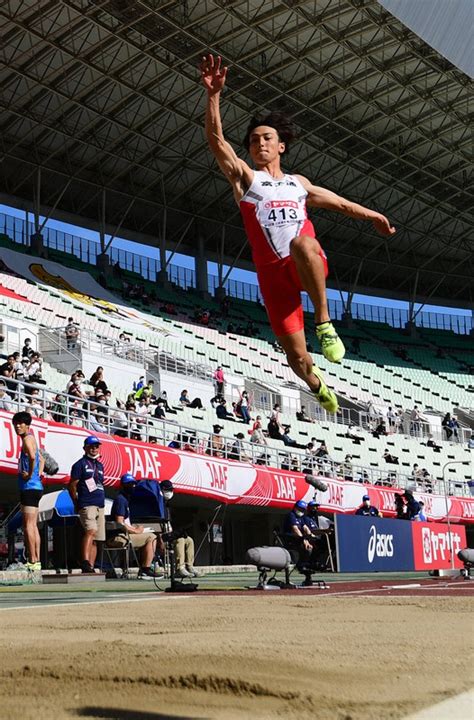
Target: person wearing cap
x,y
367,509
237,452
294,524
141,541
86,488
217,441
311,523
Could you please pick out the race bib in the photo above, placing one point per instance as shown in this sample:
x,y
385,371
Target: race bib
x,y
275,213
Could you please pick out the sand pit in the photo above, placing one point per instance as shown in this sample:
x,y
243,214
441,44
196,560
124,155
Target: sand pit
x,y
236,657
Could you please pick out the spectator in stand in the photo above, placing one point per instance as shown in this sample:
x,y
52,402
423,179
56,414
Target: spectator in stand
x,y
389,458
454,427
27,351
426,481
217,442
287,440
146,391
164,399
7,372
58,408
222,413
33,371
97,379
141,383
274,429
98,423
415,421
237,451
470,442
431,443
219,380
302,416
352,435
5,400
159,413
72,334
347,469
244,407
322,451
86,488
381,429
186,402
35,405
391,417
367,509
257,436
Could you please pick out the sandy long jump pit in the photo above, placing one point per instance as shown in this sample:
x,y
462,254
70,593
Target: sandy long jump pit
x,y
236,656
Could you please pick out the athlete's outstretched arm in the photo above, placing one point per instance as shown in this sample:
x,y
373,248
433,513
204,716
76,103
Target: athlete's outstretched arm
x,y
213,76
320,197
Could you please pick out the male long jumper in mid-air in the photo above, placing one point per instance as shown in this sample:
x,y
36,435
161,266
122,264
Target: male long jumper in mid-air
x,y
287,256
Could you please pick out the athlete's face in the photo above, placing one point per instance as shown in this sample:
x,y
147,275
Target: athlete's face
x,y
265,145
21,428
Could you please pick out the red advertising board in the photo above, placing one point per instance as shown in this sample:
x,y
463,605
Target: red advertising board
x,y
432,544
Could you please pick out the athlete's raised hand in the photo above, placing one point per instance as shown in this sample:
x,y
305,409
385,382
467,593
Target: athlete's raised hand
x,y
382,225
213,74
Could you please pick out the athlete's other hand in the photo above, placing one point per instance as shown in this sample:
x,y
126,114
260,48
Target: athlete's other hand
x,y
213,74
382,225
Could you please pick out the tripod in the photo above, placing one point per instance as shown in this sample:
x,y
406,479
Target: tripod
x,y
176,585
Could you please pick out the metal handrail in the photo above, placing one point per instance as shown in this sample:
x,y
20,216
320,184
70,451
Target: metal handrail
x,y
68,409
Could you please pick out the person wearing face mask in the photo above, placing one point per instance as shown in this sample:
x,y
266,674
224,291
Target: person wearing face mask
x,y
141,541
86,488
183,545
367,509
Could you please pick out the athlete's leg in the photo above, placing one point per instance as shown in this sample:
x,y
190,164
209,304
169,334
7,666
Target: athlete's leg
x,y
31,534
299,359
302,365
306,253
311,269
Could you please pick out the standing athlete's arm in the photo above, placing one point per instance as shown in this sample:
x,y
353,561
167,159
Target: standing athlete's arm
x,y
29,446
238,173
322,198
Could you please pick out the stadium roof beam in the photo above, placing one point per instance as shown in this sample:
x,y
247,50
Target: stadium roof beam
x,y
383,117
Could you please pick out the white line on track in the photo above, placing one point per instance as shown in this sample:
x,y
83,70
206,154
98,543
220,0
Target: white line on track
x,y
101,601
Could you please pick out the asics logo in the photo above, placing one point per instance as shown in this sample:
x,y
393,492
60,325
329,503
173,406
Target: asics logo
x,y
380,544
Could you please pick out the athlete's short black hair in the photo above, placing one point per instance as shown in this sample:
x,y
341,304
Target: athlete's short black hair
x,y
22,417
279,121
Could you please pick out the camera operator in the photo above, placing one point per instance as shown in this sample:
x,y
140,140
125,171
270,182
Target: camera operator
x,y
183,544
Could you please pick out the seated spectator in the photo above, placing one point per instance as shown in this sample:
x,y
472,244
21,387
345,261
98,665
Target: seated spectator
x,y
27,351
33,371
98,423
74,385
400,507
380,429
352,435
146,391
389,458
322,451
118,421
302,416
347,469
97,379
160,410
287,440
144,542
221,411
453,425
256,433
237,451
274,430
217,442
164,399
470,442
186,402
367,509
431,443
426,481
5,400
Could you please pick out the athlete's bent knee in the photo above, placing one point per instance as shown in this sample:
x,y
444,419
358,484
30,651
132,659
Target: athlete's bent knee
x,y
304,245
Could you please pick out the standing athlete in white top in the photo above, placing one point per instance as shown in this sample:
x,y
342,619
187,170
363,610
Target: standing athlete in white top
x,y
287,256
